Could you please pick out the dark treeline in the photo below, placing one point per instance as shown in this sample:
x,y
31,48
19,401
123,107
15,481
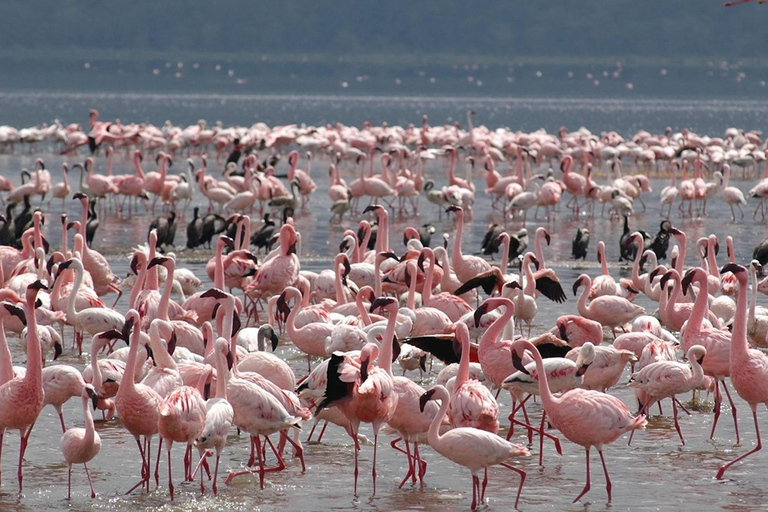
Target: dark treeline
x,y
573,29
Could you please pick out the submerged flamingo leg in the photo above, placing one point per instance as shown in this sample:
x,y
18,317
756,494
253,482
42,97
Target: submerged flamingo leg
x,y
522,480
589,481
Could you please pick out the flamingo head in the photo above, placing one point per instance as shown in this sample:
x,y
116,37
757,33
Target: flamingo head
x,y
16,311
454,208
666,277
426,397
382,303
213,293
736,269
690,276
517,360
577,284
157,261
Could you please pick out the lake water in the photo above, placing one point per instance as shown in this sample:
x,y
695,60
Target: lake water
x,y
655,473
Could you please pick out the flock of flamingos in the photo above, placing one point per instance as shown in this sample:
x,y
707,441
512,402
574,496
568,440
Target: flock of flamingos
x,y
198,368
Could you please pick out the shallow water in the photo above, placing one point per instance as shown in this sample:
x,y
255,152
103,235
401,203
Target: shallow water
x,y
655,473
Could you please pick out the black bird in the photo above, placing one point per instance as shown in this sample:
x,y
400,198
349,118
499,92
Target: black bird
x,y
234,156
761,252
166,229
23,220
580,244
232,224
201,230
487,247
660,243
518,244
628,251
260,239
8,230
92,224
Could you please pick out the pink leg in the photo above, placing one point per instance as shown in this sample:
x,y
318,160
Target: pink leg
x,y
299,449
143,467
407,452
61,418
607,478
322,432
373,471
681,406
485,484
422,464
157,464
170,478
88,474
69,482
475,490
522,480
589,481
718,402
723,468
677,425
733,411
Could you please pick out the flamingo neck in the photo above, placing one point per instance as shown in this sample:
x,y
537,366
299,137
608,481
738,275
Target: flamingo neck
x,y
547,399
463,375
739,350
529,287
700,307
411,302
426,291
636,281
79,271
385,355
90,429
138,285
456,251
218,267
433,434
165,299
504,255
341,297
6,362
491,335
603,263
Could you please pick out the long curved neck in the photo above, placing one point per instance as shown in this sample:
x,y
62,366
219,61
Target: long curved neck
x,y
411,302
547,399
636,281
682,239
603,263
290,323
582,304
529,287
110,155
433,435
504,255
452,168
218,267
137,166
6,362
491,335
153,274
162,309
341,297
84,220
463,375
700,307
71,313
753,294
426,291
385,355
739,351
456,252
130,363
712,261
97,383
364,245
364,316
90,429
138,285
377,277
540,252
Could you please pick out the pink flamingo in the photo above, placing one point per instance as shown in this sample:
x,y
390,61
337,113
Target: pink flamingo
x,y
21,398
363,392
466,267
470,447
453,306
182,419
306,184
748,367
587,418
666,379
274,275
138,405
716,341
611,311
62,190
133,186
603,284
61,382
574,183
81,445
94,262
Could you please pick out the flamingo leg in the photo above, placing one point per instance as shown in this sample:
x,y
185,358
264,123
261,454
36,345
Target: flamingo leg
x,y
589,480
485,484
297,446
23,449
522,479
422,464
718,402
733,411
607,478
322,431
681,406
759,446
157,463
677,425
143,467
170,477
475,490
69,481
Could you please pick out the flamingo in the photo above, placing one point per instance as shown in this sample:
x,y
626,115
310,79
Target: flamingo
x,y
470,447
466,267
138,405
81,445
585,417
363,393
611,311
21,398
665,379
219,416
748,367
62,190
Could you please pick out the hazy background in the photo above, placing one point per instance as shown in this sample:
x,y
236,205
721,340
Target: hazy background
x,y
672,48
